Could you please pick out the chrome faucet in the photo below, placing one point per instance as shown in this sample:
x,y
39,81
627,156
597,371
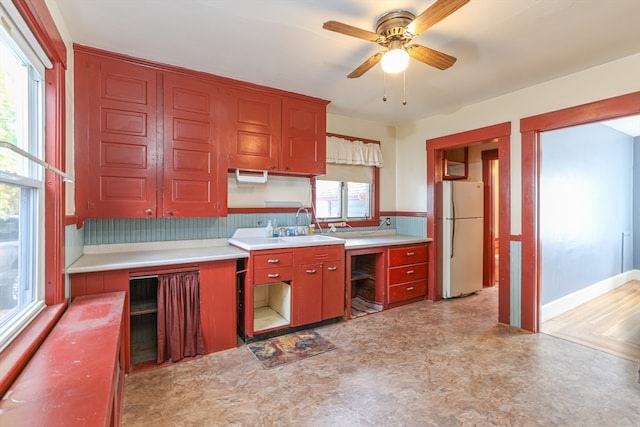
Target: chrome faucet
x,y
302,208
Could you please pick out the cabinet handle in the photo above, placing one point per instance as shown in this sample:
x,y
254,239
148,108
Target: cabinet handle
x,y
148,211
273,261
170,213
411,253
273,167
332,268
410,288
286,168
273,275
410,271
312,271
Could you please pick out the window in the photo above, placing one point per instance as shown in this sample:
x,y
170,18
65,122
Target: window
x,y
348,190
21,180
343,200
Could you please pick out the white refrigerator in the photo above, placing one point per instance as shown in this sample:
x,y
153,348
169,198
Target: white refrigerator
x,y
462,234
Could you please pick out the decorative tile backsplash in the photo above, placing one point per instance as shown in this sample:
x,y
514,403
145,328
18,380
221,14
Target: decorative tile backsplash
x,y
107,231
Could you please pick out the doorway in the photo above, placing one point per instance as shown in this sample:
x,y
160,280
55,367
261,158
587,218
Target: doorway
x,y
491,253
435,148
531,127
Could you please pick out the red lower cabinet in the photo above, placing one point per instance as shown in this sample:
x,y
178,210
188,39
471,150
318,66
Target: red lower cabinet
x,y
218,302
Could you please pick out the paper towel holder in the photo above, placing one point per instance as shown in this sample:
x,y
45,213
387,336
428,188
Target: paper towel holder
x,y
252,176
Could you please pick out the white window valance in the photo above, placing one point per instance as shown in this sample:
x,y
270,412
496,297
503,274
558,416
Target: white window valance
x,y
345,152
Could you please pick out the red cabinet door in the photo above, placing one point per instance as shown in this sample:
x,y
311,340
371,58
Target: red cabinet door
x,y
303,137
115,138
192,183
254,130
306,294
333,289
218,302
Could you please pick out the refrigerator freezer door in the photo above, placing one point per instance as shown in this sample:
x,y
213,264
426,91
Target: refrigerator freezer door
x,y
462,199
462,257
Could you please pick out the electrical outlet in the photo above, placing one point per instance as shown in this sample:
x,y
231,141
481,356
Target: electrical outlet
x,y
337,224
387,221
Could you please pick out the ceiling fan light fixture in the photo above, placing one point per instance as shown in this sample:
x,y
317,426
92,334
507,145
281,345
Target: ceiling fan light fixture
x,y
395,61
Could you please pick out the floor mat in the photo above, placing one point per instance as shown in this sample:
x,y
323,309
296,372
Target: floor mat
x,y
289,348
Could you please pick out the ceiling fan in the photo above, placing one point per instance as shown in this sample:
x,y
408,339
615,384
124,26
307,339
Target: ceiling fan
x,y
394,31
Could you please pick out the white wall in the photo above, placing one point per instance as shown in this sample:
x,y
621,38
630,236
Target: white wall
x,y
612,79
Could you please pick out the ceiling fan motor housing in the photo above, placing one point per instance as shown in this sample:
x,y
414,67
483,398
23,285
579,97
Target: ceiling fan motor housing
x,y
392,25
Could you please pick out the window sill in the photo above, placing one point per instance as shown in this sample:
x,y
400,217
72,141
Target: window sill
x,y
352,223
17,354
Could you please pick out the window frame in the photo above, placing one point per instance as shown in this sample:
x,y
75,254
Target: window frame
x,y
374,221
16,355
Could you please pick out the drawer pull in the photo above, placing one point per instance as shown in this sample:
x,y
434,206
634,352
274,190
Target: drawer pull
x,y
312,271
409,289
273,261
411,253
273,275
332,268
410,271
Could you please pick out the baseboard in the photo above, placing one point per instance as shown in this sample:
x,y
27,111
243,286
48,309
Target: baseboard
x,y
567,302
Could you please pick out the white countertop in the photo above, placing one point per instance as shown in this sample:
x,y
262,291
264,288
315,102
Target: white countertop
x,y
362,240
149,254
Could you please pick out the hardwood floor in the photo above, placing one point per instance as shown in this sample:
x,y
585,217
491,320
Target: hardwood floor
x,y
610,323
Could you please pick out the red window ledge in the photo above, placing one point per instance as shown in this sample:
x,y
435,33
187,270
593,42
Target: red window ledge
x,y
15,357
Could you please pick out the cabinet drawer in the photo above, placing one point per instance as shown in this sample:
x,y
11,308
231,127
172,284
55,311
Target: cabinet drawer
x,y
312,254
273,274
407,255
407,291
273,259
407,273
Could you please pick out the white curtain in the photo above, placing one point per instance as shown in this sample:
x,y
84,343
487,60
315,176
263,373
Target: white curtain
x,y
345,152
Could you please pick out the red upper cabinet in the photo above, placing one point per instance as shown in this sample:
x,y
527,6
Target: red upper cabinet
x,y
276,133
115,138
191,180
254,129
304,126
146,142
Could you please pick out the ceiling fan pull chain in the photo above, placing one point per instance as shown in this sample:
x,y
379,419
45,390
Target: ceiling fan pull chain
x,y
404,88
384,86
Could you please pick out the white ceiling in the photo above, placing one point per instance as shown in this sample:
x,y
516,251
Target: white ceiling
x,y
501,45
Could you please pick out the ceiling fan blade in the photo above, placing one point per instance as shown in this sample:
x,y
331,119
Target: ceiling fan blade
x,y
365,66
431,57
349,30
434,14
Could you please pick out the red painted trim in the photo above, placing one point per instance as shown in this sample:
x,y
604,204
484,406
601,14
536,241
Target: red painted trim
x,y
212,78
15,357
354,138
71,220
37,16
488,271
54,187
619,106
515,238
435,148
250,210
530,128
405,213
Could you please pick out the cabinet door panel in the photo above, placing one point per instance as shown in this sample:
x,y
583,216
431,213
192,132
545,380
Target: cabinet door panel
x,y
218,302
306,294
192,180
116,145
333,289
255,128
303,137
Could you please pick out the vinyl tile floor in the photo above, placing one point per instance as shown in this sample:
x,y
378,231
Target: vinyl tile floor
x,y
447,363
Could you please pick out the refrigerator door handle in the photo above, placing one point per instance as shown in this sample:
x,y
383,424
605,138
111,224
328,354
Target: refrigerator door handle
x,y
453,220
